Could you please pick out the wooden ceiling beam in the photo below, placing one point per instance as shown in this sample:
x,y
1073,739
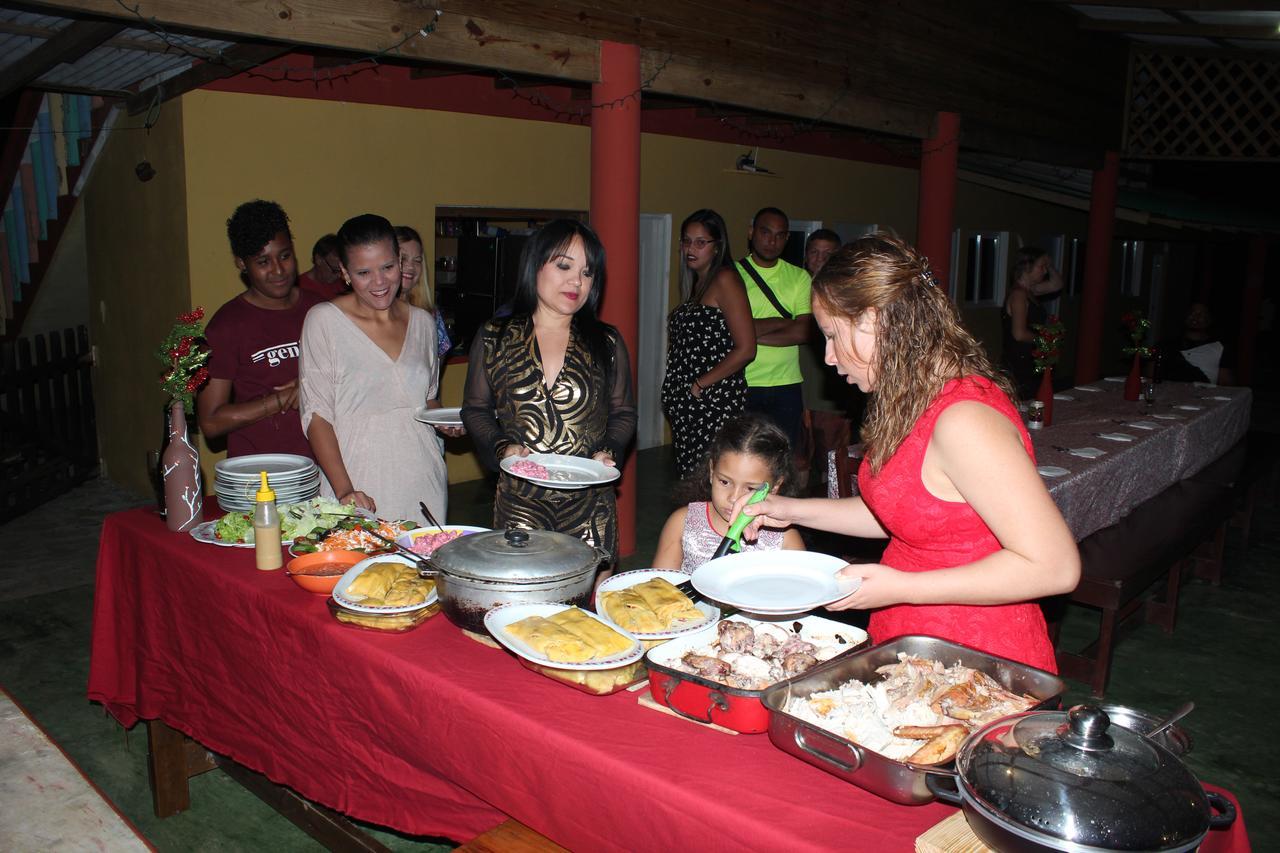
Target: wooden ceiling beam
x,y
121,42
234,60
1190,30
367,27
1181,5
69,44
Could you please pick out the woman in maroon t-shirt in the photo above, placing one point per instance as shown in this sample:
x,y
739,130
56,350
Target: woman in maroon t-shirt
x,y
252,393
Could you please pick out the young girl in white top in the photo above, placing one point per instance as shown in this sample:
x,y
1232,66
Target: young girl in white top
x,y
747,452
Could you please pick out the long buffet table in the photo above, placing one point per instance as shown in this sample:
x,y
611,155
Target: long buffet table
x,y
1187,427
431,733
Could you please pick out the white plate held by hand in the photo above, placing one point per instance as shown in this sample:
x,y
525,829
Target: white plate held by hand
x,y
564,472
774,582
439,417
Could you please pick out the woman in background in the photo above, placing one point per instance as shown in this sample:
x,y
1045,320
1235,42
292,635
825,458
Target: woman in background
x,y
949,474
553,378
1034,276
710,340
368,363
415,288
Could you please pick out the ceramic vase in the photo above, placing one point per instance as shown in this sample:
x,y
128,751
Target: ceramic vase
x,y
180,467
1045,395
1133,382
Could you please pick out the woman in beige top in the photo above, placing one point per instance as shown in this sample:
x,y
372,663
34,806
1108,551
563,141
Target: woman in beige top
x,y
368,362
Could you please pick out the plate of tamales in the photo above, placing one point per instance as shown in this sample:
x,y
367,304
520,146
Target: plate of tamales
x,y
562,636
646,603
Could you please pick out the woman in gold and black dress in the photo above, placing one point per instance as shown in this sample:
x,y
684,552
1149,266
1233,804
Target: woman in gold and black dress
x,y
553,378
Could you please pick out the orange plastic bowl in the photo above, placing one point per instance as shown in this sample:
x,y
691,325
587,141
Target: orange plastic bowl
x,y
321,571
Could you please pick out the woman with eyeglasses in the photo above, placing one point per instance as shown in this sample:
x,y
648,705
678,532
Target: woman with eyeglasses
x,y
710,340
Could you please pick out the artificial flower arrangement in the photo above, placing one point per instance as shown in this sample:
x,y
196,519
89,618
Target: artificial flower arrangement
x,y
1137,326
1047,344
184,354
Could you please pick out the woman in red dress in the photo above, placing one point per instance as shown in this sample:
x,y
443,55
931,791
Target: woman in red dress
x,y
949,474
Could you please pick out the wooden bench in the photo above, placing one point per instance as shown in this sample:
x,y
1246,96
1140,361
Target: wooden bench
x,y
1248,470
1135,566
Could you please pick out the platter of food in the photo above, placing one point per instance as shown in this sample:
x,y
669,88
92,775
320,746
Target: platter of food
x,y
875,716
235,529
560,471
385,584
774,582
737,660
352,534
646,603
425,540
448,417
563,637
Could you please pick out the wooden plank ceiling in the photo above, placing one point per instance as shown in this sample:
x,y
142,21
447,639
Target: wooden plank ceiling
x,y
1025,78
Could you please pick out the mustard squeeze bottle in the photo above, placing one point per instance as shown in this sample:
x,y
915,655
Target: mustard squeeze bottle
x,y
266,529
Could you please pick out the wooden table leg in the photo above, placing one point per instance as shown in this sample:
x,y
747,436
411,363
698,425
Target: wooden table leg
x,y
173,759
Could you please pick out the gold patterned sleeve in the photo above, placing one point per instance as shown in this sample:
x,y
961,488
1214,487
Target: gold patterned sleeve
x,y
478,402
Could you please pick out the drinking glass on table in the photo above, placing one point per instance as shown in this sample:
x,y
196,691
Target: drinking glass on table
x,y
1149,392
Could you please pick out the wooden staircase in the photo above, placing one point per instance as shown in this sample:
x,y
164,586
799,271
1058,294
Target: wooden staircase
x,y
40,171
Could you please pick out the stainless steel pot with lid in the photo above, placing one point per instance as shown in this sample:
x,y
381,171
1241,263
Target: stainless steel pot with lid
x,y
1054,780
476,573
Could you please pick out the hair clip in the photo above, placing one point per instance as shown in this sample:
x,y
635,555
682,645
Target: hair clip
x,y
926,276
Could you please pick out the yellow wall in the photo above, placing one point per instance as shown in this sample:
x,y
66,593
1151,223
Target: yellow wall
x,y
325,161
136,236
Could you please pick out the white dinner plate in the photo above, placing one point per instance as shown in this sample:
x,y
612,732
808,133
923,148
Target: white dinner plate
x,y
1167,417
1087,452
1189,408
565,472
497,620
1218,397
626,580
1063,397
1086,388
340,591
406,540
1114,379
1143,425
451,417
1116,436
1052,471
204,533
273,463
774,582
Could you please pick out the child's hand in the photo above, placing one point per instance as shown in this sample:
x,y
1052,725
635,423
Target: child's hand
x,y
773,511
881,586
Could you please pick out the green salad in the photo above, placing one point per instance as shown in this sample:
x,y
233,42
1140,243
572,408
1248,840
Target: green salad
x,y
295,520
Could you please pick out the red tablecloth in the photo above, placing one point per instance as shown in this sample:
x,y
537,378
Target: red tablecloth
x,y
433,734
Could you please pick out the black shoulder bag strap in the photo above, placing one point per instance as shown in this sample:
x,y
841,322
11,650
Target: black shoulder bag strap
x,y
766,290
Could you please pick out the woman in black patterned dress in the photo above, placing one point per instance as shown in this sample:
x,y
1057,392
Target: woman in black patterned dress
x,y
553,378
710,340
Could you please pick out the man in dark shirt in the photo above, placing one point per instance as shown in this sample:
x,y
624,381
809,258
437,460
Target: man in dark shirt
x,y
252,393
324,279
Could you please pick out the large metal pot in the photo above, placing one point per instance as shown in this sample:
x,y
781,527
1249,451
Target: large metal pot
x,y
476,573
1070,781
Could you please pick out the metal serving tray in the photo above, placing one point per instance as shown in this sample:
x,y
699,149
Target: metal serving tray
x,y
894,780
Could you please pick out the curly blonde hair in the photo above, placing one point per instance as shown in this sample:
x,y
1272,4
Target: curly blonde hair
x,y
920,341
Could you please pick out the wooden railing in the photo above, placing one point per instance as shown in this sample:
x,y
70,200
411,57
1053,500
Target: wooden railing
x,y
48,434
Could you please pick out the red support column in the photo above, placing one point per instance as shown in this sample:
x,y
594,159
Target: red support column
x,y
1097,260
1250,310
936,207
615,216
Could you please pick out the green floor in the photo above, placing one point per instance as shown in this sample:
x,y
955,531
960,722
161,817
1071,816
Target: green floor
x,y
1222,655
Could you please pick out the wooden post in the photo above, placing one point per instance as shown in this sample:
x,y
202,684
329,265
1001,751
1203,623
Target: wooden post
x,y
615,216
936,206
1097,260
1250,310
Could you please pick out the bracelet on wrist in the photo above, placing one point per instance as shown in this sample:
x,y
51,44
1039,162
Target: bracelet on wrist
x,y
698,384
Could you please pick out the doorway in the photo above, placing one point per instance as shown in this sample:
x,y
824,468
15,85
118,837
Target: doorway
x,y
651,360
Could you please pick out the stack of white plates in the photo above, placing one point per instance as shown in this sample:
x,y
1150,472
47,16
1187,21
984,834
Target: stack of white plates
x,y
292,478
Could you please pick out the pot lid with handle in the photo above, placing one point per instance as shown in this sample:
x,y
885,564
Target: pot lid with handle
x,y
1072,777
516,556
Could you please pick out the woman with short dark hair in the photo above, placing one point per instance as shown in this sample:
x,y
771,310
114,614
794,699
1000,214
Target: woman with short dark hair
x,y
553,378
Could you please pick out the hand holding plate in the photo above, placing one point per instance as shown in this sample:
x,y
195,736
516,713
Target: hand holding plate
x,y
877,586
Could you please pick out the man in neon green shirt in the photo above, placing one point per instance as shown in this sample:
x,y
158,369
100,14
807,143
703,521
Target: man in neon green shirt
x,y
779,297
